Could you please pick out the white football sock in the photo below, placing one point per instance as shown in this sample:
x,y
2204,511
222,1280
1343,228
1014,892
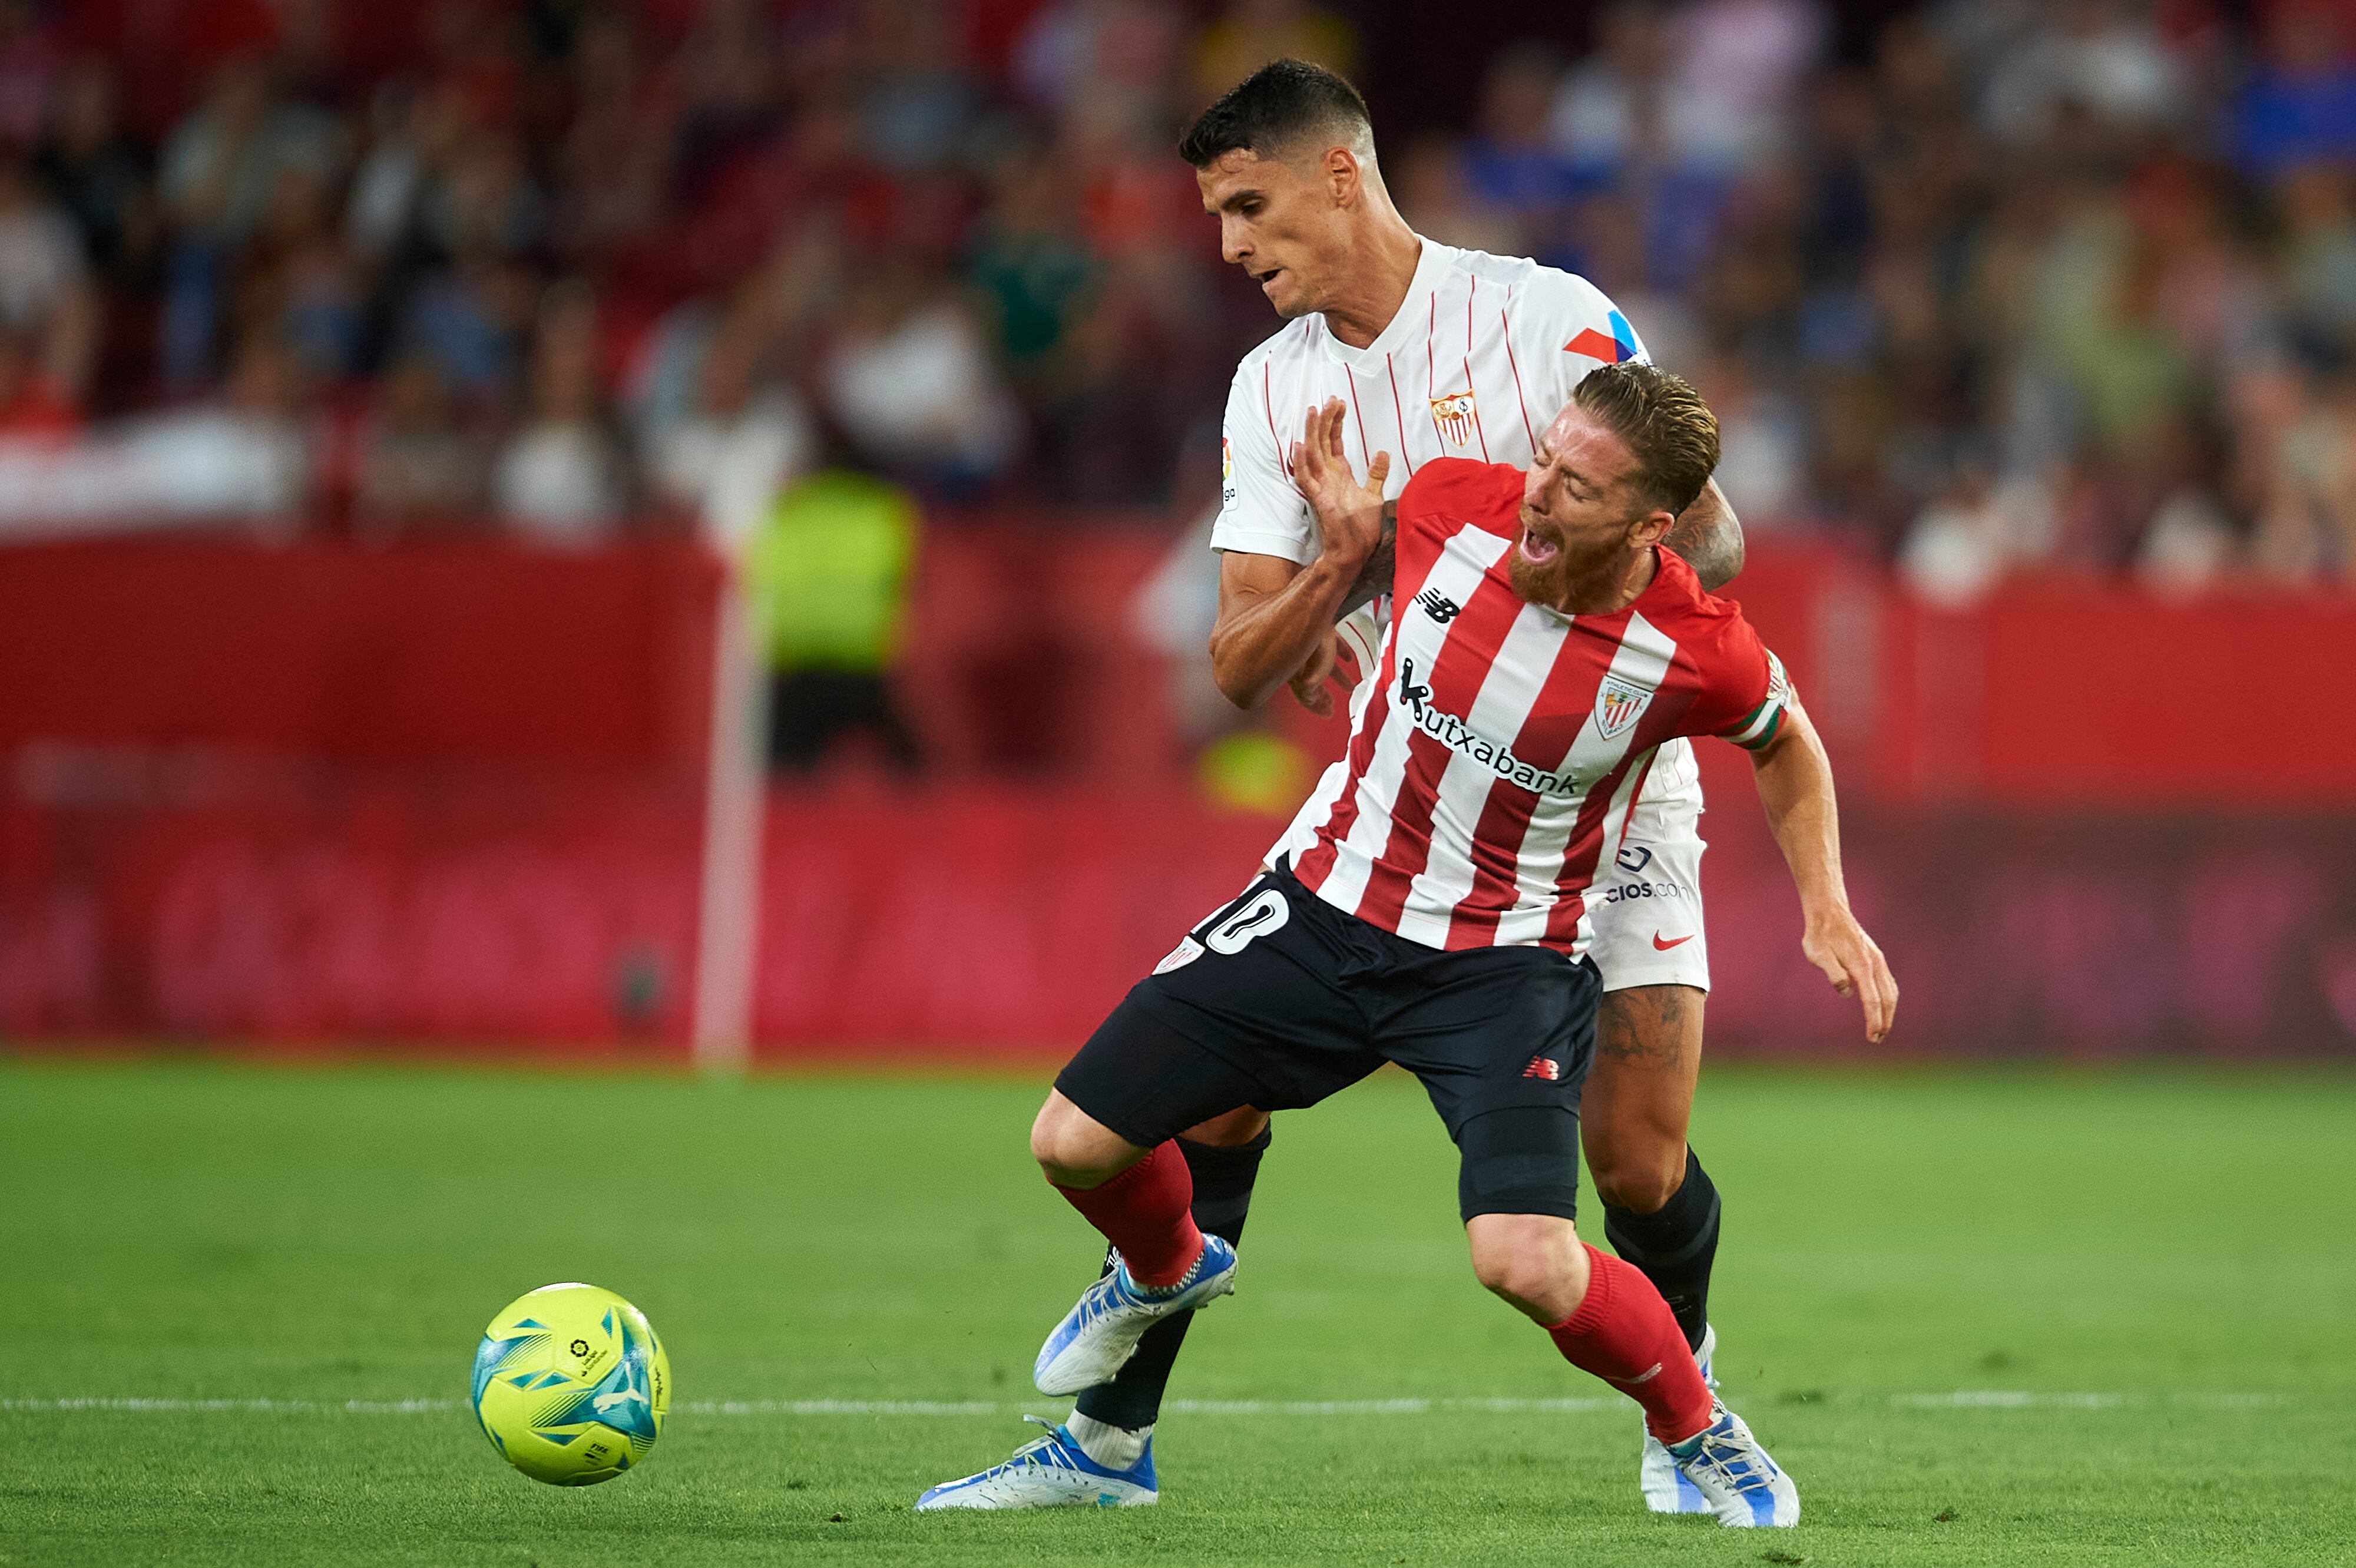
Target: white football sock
x,y
1114,1447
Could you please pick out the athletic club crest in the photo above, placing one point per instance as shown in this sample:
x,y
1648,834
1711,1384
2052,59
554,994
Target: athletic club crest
x,y
1452,417
1618,704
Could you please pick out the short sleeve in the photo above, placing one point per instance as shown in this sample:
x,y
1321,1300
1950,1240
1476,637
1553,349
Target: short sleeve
x,y
1562,327
1260,512
1745,693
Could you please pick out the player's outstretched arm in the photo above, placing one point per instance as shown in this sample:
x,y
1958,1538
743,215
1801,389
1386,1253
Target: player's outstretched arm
x,y
1709,536
1796,785
1276,622
1267,633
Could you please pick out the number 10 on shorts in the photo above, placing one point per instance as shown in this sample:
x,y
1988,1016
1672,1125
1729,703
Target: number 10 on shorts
x,y
1233,930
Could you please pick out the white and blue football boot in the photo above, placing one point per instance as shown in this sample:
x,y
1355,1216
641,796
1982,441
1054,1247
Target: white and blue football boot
x,y
1100,1333
1745,1489
1666,1489
1050,1472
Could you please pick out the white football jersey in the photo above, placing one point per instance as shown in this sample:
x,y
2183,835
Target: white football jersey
x,y
1483,354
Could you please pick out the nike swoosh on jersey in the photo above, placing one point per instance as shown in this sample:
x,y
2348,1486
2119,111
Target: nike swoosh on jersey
x,y
1664,946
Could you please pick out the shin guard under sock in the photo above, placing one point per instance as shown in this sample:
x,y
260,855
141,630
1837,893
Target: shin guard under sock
x,y
1144,1211
1623,1332
1674,1246
1223,1189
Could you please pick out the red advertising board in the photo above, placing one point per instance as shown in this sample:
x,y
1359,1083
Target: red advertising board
x,y
452,795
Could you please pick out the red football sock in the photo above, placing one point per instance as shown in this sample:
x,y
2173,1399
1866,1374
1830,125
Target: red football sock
x,y
1146,1211
1624,1333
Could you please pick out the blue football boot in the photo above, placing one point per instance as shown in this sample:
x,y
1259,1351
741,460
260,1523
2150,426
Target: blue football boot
x,y
1100,1333
1050,1472
1746,1490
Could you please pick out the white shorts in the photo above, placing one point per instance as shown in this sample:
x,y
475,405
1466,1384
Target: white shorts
x,y
1645,906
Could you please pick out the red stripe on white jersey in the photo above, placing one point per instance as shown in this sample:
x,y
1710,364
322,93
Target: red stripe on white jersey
x,y
1398,416
1521,398
1365,449
1430,330
1267,406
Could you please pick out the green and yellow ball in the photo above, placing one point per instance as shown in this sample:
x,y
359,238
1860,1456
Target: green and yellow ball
x,y
572,1385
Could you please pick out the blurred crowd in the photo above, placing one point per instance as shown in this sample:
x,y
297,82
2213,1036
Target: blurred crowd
x,y
1993,283
2064,281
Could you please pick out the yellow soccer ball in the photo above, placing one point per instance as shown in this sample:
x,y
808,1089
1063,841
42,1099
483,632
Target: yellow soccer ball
x,y
571,1384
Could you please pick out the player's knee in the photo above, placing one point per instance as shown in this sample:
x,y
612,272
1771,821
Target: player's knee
x,y
1534,1262
1073,1147
1640,1180
1521,1280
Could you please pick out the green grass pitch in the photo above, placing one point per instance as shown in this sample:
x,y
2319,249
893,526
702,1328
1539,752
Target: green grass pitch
x,y
2153,1269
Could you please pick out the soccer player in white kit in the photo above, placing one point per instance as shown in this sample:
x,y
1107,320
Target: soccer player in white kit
x,y
1435,352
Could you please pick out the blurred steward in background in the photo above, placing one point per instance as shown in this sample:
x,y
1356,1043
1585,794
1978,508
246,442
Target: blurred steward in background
x,y
827,572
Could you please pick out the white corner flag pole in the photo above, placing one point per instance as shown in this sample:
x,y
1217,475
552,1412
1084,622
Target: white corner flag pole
x,y
727,929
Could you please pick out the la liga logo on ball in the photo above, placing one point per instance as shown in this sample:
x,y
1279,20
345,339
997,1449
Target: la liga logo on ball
x,y
570,1384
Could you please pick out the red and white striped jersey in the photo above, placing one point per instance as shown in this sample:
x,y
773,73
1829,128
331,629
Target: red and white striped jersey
x,y
1495,761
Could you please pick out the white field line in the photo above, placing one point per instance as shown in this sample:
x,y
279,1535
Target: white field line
x,y
1962,1399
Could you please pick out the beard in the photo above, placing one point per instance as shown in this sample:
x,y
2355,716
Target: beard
x,y
1549,581
1573,572
1590,562
1549,584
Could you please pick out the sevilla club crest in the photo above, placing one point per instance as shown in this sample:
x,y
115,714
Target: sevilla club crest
x,y
1618,705
1452,417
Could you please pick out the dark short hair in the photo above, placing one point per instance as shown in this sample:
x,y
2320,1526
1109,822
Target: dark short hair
x,y
1671,432
1270,110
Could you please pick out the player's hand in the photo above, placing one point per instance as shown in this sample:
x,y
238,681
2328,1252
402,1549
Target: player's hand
x,y
1307,682
1349,513
1853,962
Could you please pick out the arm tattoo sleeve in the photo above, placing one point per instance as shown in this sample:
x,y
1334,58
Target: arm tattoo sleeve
x,y
1710,537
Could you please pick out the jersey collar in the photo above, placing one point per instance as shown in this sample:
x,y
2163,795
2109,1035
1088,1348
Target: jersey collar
x,y
1430,267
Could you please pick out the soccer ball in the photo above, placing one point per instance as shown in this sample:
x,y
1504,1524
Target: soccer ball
x,y
572,1385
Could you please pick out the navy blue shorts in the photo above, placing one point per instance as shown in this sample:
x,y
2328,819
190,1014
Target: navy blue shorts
x,y
1280,1000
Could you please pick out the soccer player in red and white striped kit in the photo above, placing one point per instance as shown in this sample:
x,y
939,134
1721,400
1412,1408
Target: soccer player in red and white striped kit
x,y
1542,648
1437,352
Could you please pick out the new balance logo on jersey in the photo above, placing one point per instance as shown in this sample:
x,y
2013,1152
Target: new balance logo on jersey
x,y
1454,734
1438,606
1546,1068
